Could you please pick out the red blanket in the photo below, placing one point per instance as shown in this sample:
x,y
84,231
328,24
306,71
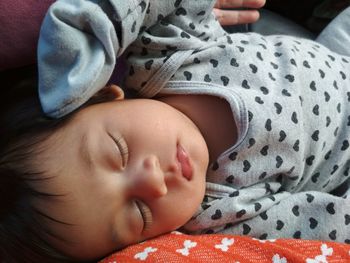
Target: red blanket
x,y
176,247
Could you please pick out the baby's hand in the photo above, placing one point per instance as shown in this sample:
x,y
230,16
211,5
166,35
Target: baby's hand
x,y
234,17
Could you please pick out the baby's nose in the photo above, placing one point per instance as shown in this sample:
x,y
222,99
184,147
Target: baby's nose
x,y
151,178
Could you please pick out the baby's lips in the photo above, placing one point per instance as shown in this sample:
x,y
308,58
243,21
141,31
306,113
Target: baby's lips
x,y
186,168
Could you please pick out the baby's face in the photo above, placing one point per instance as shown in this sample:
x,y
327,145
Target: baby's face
x,y
128,170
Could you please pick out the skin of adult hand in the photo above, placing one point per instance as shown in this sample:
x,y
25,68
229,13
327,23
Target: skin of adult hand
x,y
234,17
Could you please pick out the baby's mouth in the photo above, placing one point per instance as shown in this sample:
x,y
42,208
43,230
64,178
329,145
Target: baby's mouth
x,y
184,160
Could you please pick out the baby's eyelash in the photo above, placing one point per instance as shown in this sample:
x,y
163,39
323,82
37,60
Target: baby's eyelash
x,y
146,214
123,148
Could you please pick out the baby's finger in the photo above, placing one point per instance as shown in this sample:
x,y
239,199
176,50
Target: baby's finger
x,y
239,3
231,17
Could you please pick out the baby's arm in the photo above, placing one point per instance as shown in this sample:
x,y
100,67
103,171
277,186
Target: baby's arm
x,y
79,43
81,39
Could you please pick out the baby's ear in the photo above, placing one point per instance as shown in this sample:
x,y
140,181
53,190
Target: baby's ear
x,y
116,91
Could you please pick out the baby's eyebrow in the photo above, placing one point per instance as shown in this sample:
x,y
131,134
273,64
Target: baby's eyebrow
x,y
85,153
115,236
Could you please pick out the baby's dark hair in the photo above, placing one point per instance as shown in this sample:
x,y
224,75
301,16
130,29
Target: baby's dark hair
x,y
23,126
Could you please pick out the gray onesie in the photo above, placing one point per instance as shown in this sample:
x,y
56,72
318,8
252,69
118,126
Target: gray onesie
x,y
288,174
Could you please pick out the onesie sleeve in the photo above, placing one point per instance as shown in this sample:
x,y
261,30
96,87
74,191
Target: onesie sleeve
x,y
170,44
79,43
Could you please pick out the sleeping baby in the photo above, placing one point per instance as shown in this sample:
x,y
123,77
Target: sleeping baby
x,y
225,133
